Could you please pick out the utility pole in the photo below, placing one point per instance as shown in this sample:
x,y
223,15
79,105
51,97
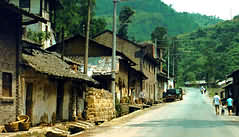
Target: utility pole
x,y
87,39
168,61
173,58
62,40
113,67
168,66
156,71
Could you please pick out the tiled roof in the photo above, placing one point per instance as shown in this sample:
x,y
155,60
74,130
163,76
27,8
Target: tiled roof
x,y
51,63
109,31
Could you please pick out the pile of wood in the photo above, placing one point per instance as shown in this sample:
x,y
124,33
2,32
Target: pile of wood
x,y
99,105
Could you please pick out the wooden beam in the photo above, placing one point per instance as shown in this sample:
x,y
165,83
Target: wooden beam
x,y
29,22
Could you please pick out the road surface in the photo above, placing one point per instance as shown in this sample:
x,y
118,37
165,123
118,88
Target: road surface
x,y
192,117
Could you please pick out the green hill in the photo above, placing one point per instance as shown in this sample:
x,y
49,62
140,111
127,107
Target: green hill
x,y
153,13
210,53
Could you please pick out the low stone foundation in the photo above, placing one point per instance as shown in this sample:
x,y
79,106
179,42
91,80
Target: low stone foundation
x,y
99,105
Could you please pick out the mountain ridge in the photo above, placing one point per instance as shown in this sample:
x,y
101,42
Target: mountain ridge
x,y
153,13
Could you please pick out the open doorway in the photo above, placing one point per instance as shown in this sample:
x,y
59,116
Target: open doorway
x,y
28,103
60,99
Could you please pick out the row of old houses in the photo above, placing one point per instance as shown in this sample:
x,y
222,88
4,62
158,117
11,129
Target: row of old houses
x,y
35,82
139,67
48,84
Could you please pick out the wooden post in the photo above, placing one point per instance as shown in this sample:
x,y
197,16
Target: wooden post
x,y
18,60
87,39
62,40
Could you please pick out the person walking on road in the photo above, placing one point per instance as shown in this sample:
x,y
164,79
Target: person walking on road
x,y
201,89
141,97
216,102
229,105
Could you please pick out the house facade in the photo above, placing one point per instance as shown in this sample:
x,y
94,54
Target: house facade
x,y
52,90
45,9
151,67
132,51
8,66
99,63
233,90
10,58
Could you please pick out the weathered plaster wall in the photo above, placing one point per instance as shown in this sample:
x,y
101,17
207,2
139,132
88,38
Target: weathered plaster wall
x,y
122,79
43,97
66,102
44,102
8,64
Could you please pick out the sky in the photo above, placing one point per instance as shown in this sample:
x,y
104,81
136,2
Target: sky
x,y
224,9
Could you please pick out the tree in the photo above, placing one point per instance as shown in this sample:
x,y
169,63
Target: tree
x,y
73,18
159,34
125,18
97,25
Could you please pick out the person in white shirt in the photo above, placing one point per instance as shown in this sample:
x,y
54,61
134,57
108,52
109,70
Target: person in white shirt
x,y
141,96
216,102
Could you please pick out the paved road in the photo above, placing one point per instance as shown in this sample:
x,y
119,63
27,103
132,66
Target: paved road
x,y
192,117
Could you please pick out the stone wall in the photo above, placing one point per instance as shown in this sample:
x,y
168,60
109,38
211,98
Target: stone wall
x,y
99,105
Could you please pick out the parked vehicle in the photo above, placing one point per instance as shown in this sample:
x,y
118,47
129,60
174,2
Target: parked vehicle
x,y
171,95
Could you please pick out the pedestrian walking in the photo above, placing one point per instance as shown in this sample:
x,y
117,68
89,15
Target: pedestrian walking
x,y
205,90
201,89
229,105
216,102
141,97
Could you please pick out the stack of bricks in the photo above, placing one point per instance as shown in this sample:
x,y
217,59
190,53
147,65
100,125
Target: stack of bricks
x,y
99,105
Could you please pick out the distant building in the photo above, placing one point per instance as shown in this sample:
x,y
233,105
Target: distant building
x,y
99,63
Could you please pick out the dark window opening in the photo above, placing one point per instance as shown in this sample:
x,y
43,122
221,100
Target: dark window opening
x,y
24,3
7,84
45,5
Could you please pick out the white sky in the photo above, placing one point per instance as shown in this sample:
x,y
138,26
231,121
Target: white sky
x,y
224,9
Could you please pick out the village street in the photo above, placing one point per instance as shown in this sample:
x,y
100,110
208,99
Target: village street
x,y
192,117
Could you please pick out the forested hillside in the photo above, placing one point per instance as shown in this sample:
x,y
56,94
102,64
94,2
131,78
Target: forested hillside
x,y
209,53
153,13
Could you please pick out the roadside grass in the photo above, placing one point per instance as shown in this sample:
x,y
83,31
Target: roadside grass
x,y
212,91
